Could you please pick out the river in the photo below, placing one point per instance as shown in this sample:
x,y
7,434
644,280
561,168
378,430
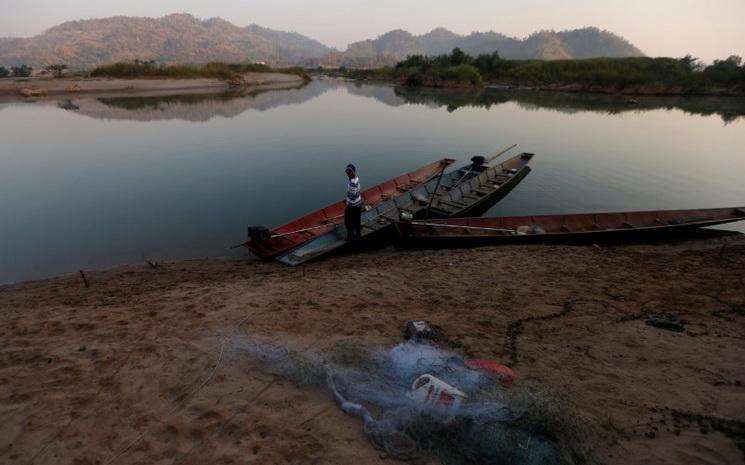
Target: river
x,y
95,182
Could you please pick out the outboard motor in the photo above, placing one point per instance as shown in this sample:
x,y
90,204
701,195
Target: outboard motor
x,y
478,162
259,234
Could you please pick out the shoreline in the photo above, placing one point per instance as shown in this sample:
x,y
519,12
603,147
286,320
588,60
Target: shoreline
x,y
641,90
11,89
140,357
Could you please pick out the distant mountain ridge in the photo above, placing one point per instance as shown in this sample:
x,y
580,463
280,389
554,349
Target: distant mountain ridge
x,y
182,38
589,42
176,38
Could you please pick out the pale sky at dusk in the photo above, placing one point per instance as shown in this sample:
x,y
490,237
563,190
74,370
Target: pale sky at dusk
x,y
706,29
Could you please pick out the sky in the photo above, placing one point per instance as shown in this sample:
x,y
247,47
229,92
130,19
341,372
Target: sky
x,y
705,29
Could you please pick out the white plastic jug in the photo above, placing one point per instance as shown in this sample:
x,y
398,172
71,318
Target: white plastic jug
x,y
433,392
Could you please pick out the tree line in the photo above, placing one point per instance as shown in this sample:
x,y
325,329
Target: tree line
x,y
218,70
150,68
25,71
140,68
16,71
458,68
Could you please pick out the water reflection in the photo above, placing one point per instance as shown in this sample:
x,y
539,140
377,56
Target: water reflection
x,y
203,107
728,108
195,107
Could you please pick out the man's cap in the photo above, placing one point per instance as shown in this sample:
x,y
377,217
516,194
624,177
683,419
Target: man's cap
x,y
351,167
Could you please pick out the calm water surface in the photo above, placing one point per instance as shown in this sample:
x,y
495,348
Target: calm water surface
x,y
89,183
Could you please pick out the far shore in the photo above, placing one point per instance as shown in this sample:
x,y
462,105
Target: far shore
x,y
637,90
650,89
647,89
20,89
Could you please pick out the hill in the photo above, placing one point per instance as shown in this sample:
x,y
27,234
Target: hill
x,y
176,38
182,38
395,45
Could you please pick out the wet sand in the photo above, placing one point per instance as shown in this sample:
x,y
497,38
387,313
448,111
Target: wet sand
x,y
141,367
10,89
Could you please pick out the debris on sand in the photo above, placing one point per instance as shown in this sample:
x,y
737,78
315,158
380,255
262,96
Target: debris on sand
x,y
668,321
33,91
419,330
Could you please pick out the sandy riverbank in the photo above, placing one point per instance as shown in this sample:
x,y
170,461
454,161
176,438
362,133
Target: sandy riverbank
x,y
134,369
11,89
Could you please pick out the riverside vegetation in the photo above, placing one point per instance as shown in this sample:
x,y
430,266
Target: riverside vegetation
x,y
150,69
627,75
15,71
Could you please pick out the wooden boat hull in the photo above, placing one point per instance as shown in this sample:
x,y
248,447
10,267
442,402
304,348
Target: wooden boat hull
x,y
568,229
297,232
482,206
456,193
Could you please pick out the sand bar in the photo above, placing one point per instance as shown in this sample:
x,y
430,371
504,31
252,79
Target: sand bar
x,y
136,369
11,89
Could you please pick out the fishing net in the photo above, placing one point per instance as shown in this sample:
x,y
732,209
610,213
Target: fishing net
x,y
493,425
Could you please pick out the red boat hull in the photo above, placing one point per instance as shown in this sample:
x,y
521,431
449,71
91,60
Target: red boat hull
x,y
295,233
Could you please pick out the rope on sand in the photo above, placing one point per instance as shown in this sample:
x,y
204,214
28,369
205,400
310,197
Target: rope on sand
x,y
219,431
242,409
186,397
178,404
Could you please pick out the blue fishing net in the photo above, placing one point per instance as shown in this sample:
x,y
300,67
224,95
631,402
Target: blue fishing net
x,y
493,425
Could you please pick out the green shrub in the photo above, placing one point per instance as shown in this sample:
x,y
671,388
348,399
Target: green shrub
x,y
463,73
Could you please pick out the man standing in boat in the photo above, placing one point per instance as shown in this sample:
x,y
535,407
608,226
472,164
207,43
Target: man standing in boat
x,y
353,212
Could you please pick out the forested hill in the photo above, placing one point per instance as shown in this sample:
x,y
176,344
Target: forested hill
x,y
182,38
544,45
177,38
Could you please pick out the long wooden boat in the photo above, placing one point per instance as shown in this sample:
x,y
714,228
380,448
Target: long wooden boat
x,y
319,222
474,189
569,228
470,189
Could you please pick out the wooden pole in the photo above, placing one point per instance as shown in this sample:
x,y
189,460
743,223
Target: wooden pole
x,y
493,157
298,231
437,186
328,222
85,281
459,226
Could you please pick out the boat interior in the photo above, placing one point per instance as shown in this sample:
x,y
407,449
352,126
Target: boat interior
x,y
581,223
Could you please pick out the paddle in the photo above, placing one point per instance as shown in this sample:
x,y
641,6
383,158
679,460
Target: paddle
x,y
493,157
458,226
